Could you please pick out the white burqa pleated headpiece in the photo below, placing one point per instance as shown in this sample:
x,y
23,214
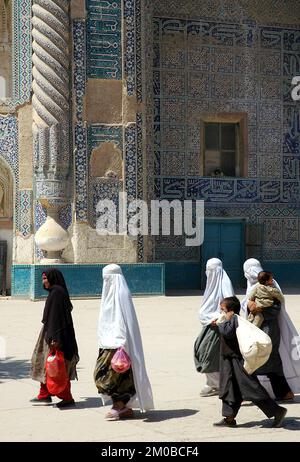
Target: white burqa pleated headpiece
x,y
118,326
218,286
288,350
251,269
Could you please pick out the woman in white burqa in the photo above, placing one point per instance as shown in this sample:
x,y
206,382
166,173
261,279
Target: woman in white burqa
x,y
207,345
118,326
282,371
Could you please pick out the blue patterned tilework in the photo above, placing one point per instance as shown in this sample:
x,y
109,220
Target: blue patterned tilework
x,y
21,55
234,68
130,160
140,178
80,131
101,189
9,142
130,46
104,58
239,191
40,215
9,152
86,280
217,66
81,173
79,58
99,133
25,211
21,280
65,216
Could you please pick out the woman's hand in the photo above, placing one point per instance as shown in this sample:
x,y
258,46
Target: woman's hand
x,y
54,345
252,306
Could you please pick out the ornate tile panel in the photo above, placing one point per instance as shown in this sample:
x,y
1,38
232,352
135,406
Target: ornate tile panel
x,y
104,39
228,66
25,212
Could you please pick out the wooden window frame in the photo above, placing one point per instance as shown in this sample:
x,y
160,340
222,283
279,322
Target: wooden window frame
x,y
241,120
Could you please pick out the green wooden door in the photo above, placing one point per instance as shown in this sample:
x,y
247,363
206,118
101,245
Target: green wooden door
x,y
225,239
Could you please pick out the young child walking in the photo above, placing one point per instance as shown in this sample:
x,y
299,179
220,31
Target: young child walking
x,y
236,385
264,295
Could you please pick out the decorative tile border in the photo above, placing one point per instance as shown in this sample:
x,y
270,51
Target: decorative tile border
x,y
10,153
130,46
104,39
100,133
85,280
79,59
21,54
130,161
80,131
25,211
81,173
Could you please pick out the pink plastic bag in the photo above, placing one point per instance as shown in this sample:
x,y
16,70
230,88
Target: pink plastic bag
x,y
120,361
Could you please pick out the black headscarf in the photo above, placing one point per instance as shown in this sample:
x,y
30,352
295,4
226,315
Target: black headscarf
x,y
57,318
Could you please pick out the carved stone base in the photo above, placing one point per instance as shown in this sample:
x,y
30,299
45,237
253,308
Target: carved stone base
x,y
52,238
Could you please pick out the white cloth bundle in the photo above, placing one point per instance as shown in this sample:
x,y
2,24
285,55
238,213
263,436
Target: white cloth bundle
x,y
255,345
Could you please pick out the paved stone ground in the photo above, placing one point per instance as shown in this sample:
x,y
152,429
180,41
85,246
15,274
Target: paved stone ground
x,y
169,327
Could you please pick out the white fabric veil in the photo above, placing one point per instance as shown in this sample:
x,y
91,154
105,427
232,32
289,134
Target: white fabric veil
x,y
289,338
118,326
218,286
251,269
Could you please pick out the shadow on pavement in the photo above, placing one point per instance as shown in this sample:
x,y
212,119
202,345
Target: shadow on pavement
x,y
289,423
296,400
88,403
159,416
13,369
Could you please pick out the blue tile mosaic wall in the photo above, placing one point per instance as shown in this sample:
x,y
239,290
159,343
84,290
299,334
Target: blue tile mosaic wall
x,y
21,280
80,130
9,152
97,54
98,133
212,66
86,280
22,54
104,39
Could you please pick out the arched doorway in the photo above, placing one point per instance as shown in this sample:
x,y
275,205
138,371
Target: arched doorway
x,y
6,226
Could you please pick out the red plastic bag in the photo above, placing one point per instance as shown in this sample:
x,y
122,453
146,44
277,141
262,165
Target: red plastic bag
x,y
120,361
56,373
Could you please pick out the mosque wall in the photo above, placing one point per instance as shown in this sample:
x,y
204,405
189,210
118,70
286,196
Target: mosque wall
x,y
144,74
215,58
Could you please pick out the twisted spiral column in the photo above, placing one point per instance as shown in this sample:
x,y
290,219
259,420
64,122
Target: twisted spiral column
x,y
51,117
51,94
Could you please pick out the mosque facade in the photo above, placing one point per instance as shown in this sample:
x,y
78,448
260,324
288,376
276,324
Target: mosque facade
x,y
161,100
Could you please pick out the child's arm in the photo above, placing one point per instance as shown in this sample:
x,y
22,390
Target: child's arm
x,y
228,328
277,294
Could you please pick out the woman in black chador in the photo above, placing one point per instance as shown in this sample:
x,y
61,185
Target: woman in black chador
x,y
57,333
